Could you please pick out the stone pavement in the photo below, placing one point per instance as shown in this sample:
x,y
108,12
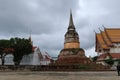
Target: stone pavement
x,y
108,75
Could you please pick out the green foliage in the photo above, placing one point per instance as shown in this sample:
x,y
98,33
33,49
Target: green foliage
x,y
4,45
94,58
22,47
119,62
109,61
80,66
83,67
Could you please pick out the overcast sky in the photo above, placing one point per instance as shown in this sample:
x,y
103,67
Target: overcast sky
x,y
47,21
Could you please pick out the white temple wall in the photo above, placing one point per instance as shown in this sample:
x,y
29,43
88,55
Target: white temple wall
x,y
27,59
31,59
116,44
9,60
45,62
115,50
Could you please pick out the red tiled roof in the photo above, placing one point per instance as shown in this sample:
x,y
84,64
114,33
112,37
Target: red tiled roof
x,y
104,35
33,48
46,56
113,55
101,41
8,50
107,37
114,34
102,57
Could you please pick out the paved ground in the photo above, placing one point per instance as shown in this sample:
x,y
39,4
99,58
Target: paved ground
x,y
110,75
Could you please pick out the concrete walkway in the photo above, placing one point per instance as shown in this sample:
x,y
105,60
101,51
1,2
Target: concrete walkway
x,y
109,75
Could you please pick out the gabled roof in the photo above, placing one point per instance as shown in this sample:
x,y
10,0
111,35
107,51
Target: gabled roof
x,y
102,57
46,56
114,34
107,37
101,41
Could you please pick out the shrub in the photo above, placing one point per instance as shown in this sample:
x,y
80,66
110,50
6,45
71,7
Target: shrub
x,y
109,61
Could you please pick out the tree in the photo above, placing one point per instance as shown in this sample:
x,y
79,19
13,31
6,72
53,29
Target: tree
x,y
5,48
109,61
94,59
21,47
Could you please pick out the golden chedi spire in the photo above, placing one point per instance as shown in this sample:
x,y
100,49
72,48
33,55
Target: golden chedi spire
x,y
72,53
71,36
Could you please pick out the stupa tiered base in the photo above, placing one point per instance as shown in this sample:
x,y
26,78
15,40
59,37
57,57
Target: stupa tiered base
x,y
72,56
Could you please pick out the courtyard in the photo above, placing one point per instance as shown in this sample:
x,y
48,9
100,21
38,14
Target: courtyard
x,y
46,75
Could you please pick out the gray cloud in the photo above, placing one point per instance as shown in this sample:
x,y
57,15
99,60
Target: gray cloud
x,y
41,16
92,15
48,20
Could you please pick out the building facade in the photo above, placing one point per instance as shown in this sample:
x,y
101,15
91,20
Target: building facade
x,y
108,45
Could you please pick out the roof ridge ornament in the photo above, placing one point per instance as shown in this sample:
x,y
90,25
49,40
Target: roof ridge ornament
x,y
100,29
103,26
94,31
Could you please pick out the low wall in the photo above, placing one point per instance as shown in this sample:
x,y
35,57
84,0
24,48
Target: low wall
x,y
55,68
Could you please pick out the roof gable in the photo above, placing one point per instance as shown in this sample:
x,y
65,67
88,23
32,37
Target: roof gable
x,y
114,34
107,37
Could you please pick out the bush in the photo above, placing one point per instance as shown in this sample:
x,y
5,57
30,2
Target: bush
x,y
83,67
109,61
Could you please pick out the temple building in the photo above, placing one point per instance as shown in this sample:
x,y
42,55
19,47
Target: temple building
x,y
35,58
72,53
108,45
